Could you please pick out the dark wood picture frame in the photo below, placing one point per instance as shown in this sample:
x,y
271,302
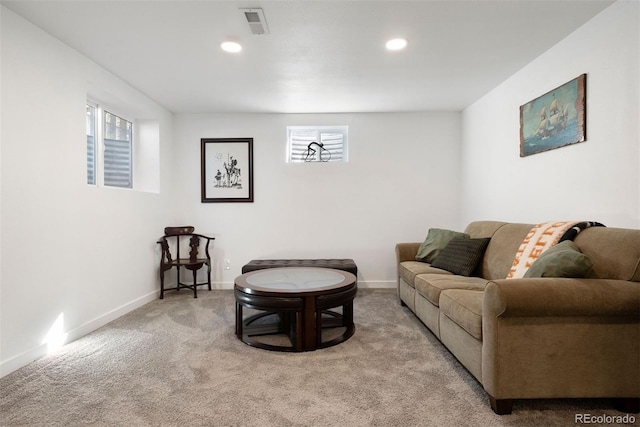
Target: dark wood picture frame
x,y
555,119
226,170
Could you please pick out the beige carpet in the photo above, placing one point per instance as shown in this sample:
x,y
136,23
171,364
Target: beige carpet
x,y
177,362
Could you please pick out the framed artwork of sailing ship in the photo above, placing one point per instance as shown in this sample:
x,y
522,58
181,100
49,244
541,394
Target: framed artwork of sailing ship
x,y
226,170
555,119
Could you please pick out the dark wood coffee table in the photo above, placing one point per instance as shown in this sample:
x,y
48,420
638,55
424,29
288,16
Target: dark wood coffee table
x,y
295,302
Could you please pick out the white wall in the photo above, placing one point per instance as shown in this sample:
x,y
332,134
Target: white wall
x,y
90,253
595,180
86,252
358,209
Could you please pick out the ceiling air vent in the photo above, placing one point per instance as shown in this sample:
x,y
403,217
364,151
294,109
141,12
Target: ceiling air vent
x,y
255,19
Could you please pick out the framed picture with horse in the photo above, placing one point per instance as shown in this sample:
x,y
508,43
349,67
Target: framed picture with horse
x,y
226,170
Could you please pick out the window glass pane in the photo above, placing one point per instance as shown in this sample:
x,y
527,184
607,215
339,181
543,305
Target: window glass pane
x,y
299,142
333,142
117,151
91,144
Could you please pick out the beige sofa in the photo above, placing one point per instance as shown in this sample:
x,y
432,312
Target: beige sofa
x,y
537,337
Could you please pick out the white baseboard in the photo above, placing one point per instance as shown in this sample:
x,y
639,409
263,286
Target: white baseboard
x,y
380,284
17,362
222,285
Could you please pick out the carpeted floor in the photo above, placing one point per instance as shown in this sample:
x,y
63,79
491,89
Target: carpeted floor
x,y
177,362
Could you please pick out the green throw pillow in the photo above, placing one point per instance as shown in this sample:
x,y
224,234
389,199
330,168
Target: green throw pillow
x,y
436,240
461,256
562,260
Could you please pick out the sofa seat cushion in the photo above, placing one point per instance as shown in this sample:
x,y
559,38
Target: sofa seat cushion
x,y
431,285
463,307
409,269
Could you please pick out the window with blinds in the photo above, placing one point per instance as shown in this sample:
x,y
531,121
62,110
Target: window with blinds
x,y
317,144
118,136
109,148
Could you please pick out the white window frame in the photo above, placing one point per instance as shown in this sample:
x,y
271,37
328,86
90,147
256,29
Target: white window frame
x,y
100,146
312,147
94,163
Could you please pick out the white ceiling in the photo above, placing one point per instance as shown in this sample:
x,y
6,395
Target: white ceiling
x,y
320,56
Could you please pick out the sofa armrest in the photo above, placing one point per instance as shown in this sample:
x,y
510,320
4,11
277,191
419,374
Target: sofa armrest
x,y
406,251
551,337
561,297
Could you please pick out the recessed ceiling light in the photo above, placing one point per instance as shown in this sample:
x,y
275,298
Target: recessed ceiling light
x,y
231,47
396,44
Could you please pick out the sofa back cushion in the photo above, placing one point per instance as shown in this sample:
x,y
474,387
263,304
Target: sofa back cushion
x,y
498,258
480,229
505,241
615,252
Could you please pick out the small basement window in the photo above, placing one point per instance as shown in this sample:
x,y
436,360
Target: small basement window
x,y
109,148
317,144
122,151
